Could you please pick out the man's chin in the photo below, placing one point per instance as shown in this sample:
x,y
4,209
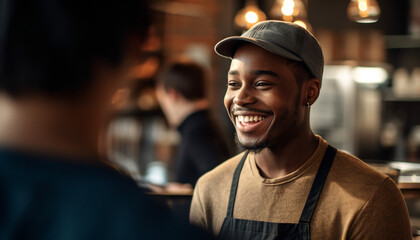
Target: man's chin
x,y
255,147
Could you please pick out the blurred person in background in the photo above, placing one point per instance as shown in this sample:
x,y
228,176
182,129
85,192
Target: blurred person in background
x,y
289,183
181,92
60,63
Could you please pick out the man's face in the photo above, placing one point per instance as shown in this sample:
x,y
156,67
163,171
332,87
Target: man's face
x,y
263,98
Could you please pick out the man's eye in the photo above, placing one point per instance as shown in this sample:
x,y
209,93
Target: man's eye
x,y
233,84
263,84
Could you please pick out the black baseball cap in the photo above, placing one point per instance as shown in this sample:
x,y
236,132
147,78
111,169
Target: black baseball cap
x,y
285,39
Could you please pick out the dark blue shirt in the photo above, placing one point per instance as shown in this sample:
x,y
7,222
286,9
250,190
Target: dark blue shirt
x,y
45,197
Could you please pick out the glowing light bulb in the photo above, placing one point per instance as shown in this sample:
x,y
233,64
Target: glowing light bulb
x,y
251,17
362,5
288,7
363,8
288,10
363,11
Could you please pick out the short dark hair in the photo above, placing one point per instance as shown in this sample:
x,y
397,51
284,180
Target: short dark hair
x,y
49,46
185,77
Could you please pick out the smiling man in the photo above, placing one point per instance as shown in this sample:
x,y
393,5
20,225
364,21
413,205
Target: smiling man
x,y
289,183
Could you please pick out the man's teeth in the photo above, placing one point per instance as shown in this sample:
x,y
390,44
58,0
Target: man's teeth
x,y
247,119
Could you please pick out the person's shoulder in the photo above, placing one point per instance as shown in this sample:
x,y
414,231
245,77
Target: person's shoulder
x,y
358,170
104,180
368,195
221,173
351,178
61,172
357,177
349,168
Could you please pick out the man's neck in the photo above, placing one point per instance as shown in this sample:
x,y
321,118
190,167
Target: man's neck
x,y
274,162
47,126
187,108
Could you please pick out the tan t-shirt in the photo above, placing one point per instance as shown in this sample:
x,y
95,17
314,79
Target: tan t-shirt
x,y
356,202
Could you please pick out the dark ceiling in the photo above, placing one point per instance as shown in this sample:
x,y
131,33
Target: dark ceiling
x,y
332,14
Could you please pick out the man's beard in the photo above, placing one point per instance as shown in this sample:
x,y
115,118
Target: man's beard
x,y
255,148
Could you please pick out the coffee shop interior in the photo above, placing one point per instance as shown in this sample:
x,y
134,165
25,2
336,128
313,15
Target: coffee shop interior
x,y
370,97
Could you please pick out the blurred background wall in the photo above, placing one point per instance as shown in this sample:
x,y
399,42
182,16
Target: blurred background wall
x,y
369,99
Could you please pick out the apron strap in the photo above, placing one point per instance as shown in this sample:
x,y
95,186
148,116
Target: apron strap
x,y
317,185
234,186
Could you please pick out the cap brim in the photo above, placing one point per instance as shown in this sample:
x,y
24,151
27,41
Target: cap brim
x,y
227,47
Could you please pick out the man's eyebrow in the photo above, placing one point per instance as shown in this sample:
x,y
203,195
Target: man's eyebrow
x,y
234,72
256,72
264,72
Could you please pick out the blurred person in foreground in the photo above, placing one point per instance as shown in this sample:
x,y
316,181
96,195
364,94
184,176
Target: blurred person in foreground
x,y
289,183
60,63
181,92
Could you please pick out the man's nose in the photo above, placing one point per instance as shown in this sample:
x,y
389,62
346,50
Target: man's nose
x,y
243,97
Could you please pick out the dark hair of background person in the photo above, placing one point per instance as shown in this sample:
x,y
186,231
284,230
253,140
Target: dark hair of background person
x,y
186,77
48,47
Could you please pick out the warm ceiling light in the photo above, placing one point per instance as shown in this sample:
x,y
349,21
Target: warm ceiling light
x,y
364,11
249,15
288,10
288,7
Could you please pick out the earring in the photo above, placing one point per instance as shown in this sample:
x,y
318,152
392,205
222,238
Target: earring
x,y
307,105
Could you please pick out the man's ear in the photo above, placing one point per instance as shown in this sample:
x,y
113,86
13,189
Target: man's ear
x,y
312,90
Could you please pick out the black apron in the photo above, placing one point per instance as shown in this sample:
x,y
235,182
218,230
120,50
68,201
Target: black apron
x,y
242,229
